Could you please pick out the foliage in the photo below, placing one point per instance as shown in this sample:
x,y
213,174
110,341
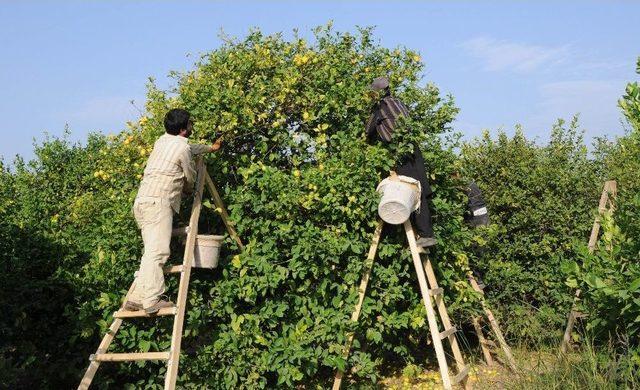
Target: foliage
x,y
630,102
299,182
540,199
610,277
34,255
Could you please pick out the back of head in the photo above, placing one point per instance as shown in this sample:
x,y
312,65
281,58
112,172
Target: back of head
x,y
175,120
379,84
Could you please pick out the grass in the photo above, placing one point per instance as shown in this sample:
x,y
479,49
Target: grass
x,y
590,367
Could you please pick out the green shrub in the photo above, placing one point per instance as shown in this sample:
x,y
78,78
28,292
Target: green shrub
x,y
540,199
299,181
610,277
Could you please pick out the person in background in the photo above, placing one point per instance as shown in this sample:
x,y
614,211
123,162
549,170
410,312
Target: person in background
x,y
477,213
169,172
380,128
476,216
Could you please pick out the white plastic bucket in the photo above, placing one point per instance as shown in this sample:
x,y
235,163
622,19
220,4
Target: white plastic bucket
x,y
207,251
400,197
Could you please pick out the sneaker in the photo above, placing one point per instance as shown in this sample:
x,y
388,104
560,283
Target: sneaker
x,y
132,306
426,242
161,304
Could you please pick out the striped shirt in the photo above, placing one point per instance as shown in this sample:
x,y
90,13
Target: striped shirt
x,y
170,168
383,119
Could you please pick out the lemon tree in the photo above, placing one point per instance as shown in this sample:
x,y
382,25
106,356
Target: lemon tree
x,y
298,178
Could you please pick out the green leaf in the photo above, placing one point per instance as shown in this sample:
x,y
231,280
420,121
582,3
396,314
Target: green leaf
x,y
144,345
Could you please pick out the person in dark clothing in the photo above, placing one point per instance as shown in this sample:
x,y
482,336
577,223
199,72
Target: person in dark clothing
x,y
380,128
476,216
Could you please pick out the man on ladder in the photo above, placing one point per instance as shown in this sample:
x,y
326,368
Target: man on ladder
x,y
477,217
168,172
380,127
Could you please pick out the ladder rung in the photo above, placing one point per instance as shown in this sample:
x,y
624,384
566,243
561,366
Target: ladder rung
x,y
436,291
421,250
166,311
448,332
181,231
126,357
173,269
461,375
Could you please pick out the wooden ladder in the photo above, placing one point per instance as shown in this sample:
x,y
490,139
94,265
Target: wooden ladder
x,y
172,356
606,203
432,295
485,344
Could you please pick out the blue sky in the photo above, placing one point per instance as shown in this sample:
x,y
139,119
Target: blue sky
x,y
81,63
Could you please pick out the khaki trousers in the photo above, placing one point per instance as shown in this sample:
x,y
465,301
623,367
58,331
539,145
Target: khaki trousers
x,y
154,217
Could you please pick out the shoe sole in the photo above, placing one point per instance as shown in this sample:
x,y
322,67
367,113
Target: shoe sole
x,y
132,307
155,310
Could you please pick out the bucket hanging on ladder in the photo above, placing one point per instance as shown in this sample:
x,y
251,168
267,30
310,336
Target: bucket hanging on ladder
x,y
400,197
207,251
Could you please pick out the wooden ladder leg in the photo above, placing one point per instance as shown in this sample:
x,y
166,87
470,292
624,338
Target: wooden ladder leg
x,y
103,347
571,320
494,325
609,193
431,315
498,333
483,342
444,316
217,200
181,302
368,266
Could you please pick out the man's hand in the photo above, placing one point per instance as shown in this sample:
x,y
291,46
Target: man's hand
x,y
216,145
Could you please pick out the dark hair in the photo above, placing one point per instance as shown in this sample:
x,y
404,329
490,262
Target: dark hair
x,y
176,119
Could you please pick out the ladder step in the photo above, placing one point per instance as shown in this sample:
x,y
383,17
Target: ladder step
x,y
436,291
181,231
448,332
166,311
173,269
127,357
461,375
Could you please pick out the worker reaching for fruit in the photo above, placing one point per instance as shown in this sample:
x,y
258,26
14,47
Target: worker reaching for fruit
x,y
169,172
380,127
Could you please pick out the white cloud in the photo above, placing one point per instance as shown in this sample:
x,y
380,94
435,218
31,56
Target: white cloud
x,y
497,55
